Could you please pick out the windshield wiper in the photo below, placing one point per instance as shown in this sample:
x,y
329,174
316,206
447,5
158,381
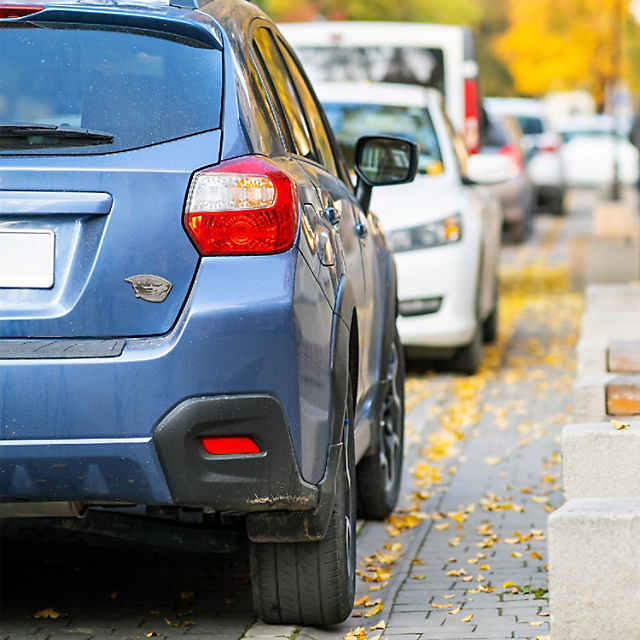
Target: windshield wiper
x,y
53,131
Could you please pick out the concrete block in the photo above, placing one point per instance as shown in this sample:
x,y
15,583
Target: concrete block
x,y
611,297
594,576
598,461
623,356
597,397
589,398
591,357
615,220
623,396
611,260
610,325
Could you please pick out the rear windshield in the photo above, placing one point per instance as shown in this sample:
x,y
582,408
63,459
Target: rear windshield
x,y
351,121
140,87
495,133
530,125
410,65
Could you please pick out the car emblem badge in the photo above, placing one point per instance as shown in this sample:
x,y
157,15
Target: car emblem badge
x,y
150,288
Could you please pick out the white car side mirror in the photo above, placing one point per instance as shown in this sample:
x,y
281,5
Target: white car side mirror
x,y
490,168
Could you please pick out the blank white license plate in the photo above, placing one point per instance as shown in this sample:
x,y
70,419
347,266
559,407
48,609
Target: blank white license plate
x,y
26,259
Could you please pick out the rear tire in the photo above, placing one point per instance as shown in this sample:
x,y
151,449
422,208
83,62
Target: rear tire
x,y
312,583
380,475
557,206
469,358
490,325
518,232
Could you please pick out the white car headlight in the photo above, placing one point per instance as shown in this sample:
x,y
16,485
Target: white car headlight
x,y
434,234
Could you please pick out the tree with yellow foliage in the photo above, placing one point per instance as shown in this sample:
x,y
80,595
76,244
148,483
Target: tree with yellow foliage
x,y
557,45
451,11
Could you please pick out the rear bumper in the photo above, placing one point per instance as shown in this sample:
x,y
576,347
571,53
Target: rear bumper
x,y
122,429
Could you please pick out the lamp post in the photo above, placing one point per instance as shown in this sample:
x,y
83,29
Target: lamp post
x,y
616,61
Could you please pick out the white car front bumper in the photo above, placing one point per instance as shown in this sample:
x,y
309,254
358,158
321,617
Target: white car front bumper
x,y
447,272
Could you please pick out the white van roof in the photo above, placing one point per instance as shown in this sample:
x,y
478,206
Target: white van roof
x,y
516,107
349,33
405,95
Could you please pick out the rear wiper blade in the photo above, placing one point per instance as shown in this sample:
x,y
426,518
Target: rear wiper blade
x,y
17,130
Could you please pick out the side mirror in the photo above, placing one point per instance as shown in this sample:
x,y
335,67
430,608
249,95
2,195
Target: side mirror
x,y
489,168
381,161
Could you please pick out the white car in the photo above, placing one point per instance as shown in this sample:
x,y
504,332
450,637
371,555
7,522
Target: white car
x,y
445,232
541,146
591,143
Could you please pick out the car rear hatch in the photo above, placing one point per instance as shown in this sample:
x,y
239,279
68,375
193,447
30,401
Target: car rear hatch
x,y
104,115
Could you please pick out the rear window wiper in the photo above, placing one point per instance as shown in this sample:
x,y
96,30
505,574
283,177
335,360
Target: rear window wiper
x,y
87,136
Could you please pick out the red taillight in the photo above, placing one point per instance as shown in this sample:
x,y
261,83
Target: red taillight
x,y
471,116
245,206
18,10
515,153
229,445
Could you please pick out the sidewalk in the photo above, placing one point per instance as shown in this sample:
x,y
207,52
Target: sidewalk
x,y
470,559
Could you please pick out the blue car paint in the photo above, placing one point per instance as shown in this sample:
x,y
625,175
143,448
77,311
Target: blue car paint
x,y
95,253
232,326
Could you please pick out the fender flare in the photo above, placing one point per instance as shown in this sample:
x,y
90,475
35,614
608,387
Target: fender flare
x,y
305,526
388,328
340,337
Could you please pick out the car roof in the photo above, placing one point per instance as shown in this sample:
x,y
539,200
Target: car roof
x,y
515,106
593,122
348,33
182,9
387,93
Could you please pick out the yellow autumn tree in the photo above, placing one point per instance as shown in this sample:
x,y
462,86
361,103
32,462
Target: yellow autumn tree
x,y
556,45
451,11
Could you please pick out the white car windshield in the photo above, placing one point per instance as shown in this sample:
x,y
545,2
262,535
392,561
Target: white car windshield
x,y
350,121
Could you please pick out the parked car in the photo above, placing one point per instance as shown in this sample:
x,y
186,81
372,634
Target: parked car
x,y
591,143
197,310
502,135
445,233
439,56
541,146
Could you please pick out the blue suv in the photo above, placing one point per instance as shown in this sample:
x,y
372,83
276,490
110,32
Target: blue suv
x,y
197,310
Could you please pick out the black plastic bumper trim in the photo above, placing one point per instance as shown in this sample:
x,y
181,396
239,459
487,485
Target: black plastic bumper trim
x,y
243,483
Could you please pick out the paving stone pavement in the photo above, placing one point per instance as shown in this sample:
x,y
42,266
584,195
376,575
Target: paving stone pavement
x,y
509,423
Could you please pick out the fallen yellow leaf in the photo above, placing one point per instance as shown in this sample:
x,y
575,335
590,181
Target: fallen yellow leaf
x,y
374,611
619,426
50,614
468,618
359,633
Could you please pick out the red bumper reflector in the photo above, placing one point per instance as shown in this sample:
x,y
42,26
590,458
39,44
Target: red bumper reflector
x,y
224,445
18,10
